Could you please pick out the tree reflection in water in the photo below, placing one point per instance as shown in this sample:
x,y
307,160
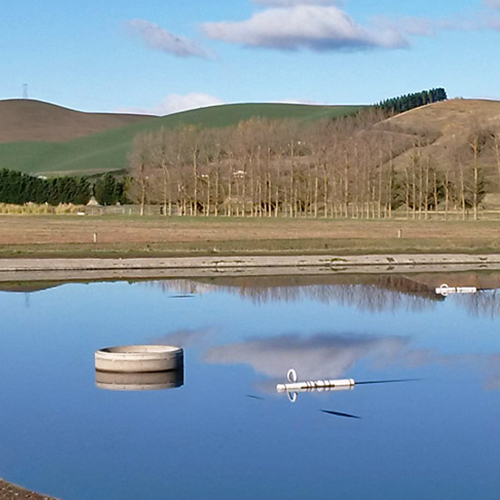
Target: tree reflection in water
x,y
375,293
368,293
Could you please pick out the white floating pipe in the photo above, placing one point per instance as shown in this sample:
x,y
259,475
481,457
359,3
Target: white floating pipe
x,y
293,388
317,385
445,290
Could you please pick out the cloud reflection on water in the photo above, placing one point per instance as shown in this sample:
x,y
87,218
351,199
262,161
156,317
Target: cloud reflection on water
x,y
317,356
186,338
335,355
485,363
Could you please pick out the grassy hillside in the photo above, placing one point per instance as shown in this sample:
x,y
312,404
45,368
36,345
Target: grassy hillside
x,y
449,125
30,120
451,116
107,151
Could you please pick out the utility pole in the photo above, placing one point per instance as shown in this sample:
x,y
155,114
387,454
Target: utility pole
x,y
25,91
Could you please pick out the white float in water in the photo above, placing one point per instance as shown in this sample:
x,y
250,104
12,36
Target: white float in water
x,y
294,387
139,358
445,290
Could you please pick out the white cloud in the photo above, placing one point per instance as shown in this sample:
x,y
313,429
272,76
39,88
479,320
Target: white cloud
x,y
182,102
292,100
174,103
409,25
289,3
492,22
158,38
313,27
421,26
492,4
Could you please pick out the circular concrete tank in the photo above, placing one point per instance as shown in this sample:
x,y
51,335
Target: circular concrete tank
x,y
151,381
139,358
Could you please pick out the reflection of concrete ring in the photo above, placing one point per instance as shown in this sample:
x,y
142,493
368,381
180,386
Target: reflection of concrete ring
x,y
139,358
139,381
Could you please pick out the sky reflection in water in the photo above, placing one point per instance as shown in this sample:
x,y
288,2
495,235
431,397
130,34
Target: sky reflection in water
x,y
435,438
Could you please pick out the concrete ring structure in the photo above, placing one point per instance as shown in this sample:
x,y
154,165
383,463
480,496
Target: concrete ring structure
x,y
139,358
146,381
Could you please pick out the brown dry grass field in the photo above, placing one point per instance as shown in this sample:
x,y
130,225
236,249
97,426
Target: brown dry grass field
x,y
29,120
451,117
452,122
51,236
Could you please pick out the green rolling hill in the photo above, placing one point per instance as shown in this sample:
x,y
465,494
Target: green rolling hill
x,y
107,150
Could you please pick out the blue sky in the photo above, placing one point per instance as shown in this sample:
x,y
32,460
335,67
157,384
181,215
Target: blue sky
x,y
161,56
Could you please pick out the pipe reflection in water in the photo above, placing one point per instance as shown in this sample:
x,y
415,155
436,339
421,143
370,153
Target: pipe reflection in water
x,y
293,388
116,381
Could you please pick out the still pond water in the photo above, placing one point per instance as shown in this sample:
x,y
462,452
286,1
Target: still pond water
x,y
226,433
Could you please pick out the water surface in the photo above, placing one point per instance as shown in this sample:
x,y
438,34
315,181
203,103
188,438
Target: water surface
x,y
226,433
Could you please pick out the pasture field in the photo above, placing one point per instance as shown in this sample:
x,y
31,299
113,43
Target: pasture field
x,y
107,150
129,236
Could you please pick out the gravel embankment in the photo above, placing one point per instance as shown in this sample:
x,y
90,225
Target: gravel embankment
x,y
9,491
195,267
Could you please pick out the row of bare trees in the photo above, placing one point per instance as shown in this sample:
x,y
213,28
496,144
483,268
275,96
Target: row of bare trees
x,y
358,166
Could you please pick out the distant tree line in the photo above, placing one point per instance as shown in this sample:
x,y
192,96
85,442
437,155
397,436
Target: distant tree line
x,y
359,166
110,190
411,101
19,188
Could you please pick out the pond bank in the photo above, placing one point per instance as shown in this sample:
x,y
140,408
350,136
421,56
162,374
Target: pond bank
x,y
9,491
195,267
